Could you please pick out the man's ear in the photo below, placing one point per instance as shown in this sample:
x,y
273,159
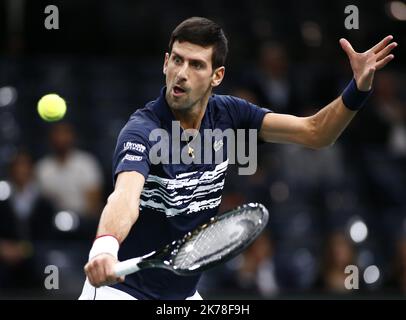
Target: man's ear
x,y
218,76
165,67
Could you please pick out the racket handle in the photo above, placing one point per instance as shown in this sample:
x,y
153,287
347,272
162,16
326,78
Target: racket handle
x,y
126,267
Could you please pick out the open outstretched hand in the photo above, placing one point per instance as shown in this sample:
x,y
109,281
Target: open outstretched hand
x,y
364,64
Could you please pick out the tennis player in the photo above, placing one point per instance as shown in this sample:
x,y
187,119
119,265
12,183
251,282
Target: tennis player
x,y
153,204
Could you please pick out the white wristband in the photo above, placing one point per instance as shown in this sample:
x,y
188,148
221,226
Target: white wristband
x,y
104,244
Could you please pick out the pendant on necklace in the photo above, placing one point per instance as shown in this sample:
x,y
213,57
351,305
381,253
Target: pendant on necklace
x,y
191,152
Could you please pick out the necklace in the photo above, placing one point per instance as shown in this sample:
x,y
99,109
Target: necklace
x,y
190,149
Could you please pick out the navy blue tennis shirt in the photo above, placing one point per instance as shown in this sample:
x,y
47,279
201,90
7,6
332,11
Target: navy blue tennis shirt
x,y
176,198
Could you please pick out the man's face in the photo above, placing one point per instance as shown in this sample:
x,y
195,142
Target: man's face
x,y
189,75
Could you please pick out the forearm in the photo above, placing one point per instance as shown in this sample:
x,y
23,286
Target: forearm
x,y
324,128
119,215
317,131
328,124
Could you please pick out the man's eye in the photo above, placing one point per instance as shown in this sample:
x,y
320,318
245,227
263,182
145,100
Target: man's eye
x,y
197,66
177,60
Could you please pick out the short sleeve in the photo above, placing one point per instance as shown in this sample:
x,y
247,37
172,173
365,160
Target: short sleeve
x,y
245,115
131,153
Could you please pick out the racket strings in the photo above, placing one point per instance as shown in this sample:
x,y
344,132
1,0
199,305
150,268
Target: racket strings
x,y
217,240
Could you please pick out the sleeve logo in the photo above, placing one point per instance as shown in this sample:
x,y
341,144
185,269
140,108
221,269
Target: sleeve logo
x,y
131,157
134,146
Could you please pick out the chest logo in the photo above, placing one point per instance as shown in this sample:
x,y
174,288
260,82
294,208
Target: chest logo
x,y
217,145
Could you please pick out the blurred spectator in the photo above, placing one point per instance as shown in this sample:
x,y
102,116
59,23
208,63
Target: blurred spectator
x,y
382,123
250,275
70,178
338,253
25,217
256,271
380,135
272,84
391,109
246,94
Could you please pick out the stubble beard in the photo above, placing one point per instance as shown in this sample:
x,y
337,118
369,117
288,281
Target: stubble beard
x,y
179,104
184,104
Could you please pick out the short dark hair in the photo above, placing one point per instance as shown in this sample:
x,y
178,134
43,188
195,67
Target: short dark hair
x,y
205,33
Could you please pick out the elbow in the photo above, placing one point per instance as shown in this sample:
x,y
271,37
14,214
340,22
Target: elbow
x,y
317,139
320,142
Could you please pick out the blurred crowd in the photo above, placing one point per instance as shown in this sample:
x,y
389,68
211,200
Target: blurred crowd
x,y
49,213
329,209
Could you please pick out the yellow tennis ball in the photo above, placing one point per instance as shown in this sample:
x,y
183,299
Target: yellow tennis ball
x,y
51,107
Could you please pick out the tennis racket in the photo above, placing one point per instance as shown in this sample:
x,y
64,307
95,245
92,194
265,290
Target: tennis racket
x,y
222,238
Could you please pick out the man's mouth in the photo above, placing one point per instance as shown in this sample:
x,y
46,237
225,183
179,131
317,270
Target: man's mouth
x,y
178,91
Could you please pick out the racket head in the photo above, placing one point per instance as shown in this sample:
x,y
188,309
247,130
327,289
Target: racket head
x,y
222,238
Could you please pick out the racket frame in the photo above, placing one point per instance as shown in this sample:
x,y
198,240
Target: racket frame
x,y
164,258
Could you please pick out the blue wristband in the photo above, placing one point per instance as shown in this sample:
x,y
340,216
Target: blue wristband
x,y
353,98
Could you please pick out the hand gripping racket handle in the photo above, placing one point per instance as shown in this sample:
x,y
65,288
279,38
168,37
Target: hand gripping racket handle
x,y
126,267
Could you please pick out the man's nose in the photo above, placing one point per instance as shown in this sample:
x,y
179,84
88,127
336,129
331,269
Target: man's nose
x,y
183,72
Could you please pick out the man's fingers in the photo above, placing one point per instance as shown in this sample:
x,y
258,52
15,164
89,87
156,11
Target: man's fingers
x,y
107,278
383,53
100,272
95,271
90,278
110,276
347,47
379,46
92,275
89,271
384,62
